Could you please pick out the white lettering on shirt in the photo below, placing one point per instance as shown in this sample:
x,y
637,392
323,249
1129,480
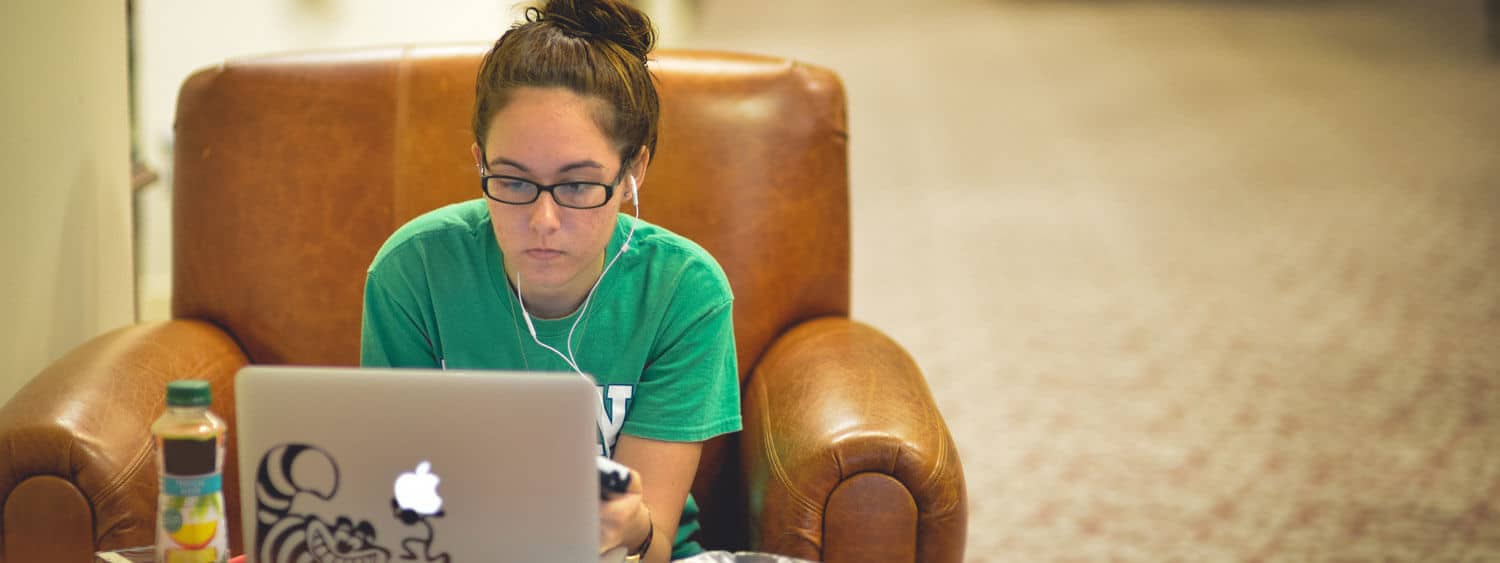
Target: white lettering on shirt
x,y
612,417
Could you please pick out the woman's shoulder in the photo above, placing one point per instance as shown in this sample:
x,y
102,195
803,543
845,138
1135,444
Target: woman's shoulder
x,y
676,257
456,224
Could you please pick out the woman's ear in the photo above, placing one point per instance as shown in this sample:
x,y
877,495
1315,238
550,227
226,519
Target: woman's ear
x,y
478,157
638,167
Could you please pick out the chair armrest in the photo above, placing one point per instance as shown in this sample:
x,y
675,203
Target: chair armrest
x,y
76,456
842,440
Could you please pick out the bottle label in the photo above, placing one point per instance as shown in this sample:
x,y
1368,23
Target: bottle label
x,y
190,519
192,486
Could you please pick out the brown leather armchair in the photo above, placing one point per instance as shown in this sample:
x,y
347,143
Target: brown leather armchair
x,y
292,170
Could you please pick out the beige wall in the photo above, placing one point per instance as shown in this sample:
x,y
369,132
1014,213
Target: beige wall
x,y
65,224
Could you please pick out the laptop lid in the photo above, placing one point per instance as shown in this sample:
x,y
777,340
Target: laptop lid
x,y
344,465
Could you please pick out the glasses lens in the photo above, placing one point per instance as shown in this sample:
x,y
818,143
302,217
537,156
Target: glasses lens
x,y
510,190
581,195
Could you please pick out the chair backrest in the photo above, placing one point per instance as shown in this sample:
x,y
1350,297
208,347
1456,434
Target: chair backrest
x,y
291,170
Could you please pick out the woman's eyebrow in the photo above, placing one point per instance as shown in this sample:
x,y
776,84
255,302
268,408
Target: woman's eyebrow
x,y
502,161
580,164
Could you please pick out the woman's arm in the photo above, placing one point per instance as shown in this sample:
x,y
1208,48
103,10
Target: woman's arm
x,y
665,471
688,392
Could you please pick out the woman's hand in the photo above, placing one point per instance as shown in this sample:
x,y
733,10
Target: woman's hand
x,y
624,519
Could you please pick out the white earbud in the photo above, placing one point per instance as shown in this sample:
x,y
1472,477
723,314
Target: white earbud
x,y
635,201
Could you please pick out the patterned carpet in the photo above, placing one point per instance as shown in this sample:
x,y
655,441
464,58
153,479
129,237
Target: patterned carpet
x,y
1191,281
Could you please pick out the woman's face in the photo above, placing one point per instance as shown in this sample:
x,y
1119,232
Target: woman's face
x,y
548,136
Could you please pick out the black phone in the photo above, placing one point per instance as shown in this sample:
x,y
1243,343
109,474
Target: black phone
x,y
614,478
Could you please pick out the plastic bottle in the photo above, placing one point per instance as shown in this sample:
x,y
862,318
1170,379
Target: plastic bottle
x,y
190,523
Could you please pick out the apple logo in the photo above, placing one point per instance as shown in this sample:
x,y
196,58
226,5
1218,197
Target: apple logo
x,y
417,492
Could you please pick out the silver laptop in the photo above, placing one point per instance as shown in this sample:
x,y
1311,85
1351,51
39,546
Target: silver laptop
x,y
380,465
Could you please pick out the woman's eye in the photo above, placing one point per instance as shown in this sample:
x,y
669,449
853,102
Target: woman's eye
x,y
516,185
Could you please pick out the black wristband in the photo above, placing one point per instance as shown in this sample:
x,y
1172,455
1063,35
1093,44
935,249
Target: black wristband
x,y
646,544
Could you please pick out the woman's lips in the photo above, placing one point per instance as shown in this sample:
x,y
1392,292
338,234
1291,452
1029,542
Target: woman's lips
x,y
544,253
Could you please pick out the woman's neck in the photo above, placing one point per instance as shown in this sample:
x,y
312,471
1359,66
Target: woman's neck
x,y
544,306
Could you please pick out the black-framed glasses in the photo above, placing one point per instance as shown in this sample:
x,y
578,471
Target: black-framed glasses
x,y
520,191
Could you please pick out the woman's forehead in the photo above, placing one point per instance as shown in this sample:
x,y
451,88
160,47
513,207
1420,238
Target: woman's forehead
x,y
547,128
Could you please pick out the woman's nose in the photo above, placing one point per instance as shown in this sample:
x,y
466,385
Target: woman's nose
x,y
544,214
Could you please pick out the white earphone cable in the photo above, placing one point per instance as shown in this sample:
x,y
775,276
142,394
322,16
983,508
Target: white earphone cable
x,y
623,247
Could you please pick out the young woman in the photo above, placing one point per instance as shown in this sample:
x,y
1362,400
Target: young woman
x,y
546,273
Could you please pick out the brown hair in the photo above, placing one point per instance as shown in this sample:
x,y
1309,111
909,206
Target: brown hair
x,y
595,48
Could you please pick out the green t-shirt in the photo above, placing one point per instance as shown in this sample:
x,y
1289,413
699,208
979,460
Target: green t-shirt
x,y
658,336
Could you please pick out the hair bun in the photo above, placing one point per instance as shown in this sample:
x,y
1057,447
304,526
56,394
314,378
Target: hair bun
x,y
611,20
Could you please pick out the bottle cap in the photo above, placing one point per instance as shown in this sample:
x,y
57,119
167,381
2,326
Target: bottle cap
x,y
188,393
